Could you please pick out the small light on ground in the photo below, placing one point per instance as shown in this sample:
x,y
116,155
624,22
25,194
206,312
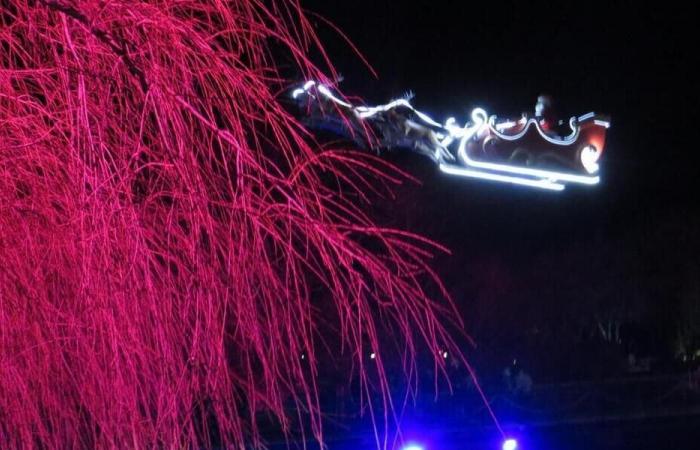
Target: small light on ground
x,y
413,447
510,444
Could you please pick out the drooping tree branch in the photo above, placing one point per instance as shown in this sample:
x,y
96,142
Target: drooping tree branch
x,y
170,247
117,46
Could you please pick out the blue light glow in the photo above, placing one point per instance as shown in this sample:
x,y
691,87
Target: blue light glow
x,y
413,447
510,444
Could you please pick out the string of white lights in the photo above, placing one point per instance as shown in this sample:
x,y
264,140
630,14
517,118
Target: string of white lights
x,y
442,136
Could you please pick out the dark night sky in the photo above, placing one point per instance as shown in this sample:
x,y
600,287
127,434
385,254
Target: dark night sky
x,y
531,271
628,61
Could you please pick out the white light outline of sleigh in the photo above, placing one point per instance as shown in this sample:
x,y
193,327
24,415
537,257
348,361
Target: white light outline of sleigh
x,y
586,142
586,150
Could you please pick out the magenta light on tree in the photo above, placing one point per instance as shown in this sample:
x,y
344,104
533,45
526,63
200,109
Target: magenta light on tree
x,y
164,222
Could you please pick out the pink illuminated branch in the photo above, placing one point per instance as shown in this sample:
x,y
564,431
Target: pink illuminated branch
x,y
170,241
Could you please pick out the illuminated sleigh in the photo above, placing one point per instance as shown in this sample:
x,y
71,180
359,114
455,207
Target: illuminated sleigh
x,y
522,152
516,152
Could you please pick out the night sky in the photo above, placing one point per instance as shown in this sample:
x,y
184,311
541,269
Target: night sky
x,y
628,61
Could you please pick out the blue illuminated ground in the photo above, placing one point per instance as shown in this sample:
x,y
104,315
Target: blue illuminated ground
x,y
678,433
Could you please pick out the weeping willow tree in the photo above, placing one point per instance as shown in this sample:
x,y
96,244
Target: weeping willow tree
x,y
165,225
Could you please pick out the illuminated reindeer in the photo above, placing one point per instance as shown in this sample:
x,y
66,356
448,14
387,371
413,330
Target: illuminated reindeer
x,y
522,152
